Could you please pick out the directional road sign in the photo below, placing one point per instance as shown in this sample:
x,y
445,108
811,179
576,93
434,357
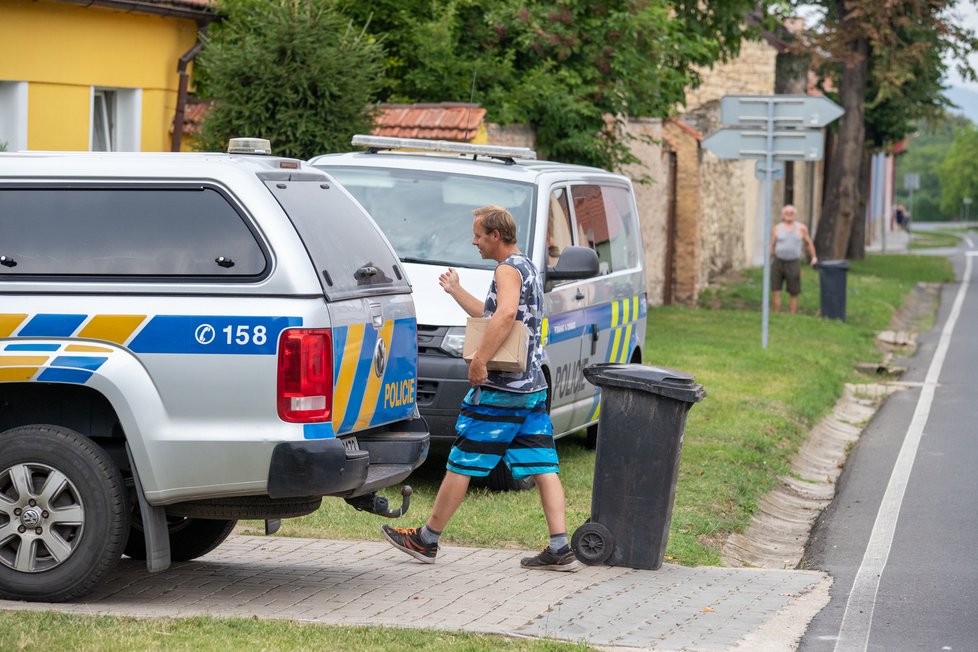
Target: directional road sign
x,y
785,145
803,111
772,129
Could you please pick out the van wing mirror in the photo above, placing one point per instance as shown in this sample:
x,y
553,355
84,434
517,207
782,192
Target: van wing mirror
x,y
574,263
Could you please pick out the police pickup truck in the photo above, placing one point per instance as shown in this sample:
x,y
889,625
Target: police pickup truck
x,y
187,340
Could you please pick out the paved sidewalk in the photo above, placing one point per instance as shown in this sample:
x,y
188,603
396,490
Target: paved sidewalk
x,y
896,241
470,589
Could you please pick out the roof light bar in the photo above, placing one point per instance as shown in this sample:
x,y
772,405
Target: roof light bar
x,y
249,146
378,143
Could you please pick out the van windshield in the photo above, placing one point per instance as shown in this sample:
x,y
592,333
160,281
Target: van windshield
x,y
427,216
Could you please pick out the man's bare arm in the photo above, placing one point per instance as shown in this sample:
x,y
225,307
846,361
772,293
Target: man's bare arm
x,y
470,304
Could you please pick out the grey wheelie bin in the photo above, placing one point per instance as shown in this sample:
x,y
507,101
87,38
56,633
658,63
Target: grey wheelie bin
x,y
640,436
832,284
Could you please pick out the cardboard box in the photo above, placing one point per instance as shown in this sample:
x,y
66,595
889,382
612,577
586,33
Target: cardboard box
x,y
511,355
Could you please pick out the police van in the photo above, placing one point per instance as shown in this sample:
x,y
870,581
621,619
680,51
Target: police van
x,y
578,224
187,340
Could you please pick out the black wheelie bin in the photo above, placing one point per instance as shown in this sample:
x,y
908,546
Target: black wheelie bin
x,y
640,436
832,287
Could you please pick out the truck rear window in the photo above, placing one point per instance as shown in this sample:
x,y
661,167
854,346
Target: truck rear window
x,y
352,256
125,231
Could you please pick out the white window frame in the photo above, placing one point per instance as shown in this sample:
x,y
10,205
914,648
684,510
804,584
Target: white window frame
x,y
13,115
120,111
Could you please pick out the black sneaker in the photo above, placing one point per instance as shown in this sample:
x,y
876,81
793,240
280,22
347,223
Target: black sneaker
x,y
409,541
548,560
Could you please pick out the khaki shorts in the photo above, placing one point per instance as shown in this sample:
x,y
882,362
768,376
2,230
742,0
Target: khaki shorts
x,y
786,271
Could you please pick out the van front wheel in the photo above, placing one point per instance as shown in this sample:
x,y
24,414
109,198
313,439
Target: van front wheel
x,y
501,479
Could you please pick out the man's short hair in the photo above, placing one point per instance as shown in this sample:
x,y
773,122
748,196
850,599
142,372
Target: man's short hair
x,y
497,218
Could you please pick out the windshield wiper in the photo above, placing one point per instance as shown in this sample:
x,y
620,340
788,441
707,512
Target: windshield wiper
x,y
446,263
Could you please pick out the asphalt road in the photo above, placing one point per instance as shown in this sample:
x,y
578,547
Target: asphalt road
x,y
901,537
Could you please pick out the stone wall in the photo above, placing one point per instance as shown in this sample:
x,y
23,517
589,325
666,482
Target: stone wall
x,y
512,135
728,202
652,197
751,73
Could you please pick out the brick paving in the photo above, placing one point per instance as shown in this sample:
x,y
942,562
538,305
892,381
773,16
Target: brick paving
x,y
470,589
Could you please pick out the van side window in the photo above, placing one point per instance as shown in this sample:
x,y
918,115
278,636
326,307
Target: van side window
x,y
125,231
558,225
600,225
618,208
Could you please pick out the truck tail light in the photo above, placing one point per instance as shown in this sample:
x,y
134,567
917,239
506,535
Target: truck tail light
x,y
305,375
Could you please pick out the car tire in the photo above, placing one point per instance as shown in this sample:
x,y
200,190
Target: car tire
x,y
591,436
64,517
190,538
501,479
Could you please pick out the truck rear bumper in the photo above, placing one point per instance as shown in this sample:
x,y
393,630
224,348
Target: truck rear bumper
x,y
325,467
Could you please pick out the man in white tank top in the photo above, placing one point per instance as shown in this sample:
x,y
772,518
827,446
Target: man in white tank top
x,y
787,239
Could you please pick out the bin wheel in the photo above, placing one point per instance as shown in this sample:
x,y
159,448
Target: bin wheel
x,y
592,543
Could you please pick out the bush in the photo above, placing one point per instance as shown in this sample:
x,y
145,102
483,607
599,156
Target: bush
x,y
293,71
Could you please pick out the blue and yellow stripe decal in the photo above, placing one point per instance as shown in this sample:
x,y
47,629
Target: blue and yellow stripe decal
x,y
50,363
361,397
174,334
178,334
620,316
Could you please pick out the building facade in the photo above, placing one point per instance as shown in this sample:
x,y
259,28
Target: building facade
x,y
95,75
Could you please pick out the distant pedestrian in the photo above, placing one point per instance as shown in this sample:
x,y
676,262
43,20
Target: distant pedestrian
x,y
503,418
901,216
787,239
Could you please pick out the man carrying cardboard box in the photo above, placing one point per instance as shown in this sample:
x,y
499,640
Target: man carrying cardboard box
x,y
504,416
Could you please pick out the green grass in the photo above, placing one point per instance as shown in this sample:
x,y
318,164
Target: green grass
x,y
55,631
760,405
935,239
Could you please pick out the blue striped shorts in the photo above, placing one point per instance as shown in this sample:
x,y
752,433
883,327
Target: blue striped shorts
x,y
508,426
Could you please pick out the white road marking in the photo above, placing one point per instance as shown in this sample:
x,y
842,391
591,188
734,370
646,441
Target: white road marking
x,y
858,618
970,243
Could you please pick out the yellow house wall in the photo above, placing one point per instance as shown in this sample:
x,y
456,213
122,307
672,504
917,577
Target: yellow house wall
x,y
49,125
62,50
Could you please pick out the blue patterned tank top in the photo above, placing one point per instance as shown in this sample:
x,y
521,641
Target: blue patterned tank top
x,y
530,312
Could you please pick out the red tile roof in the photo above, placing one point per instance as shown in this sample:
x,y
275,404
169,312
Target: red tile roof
x,y
193,115
442,121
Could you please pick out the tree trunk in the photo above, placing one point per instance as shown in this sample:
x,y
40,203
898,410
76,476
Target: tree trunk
x,y
842,194
857,237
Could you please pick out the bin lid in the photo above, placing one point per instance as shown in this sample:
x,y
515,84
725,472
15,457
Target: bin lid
x,y
654,380
833,264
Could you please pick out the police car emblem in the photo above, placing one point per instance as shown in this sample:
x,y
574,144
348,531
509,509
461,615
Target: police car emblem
x,y
380,358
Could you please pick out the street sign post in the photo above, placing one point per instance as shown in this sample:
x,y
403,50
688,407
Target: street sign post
x,y
911,182
771,129
777,172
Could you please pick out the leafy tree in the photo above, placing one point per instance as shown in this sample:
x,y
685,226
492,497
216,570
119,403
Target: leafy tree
x,y
927,149
571,68
887,60
294,71
959,171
